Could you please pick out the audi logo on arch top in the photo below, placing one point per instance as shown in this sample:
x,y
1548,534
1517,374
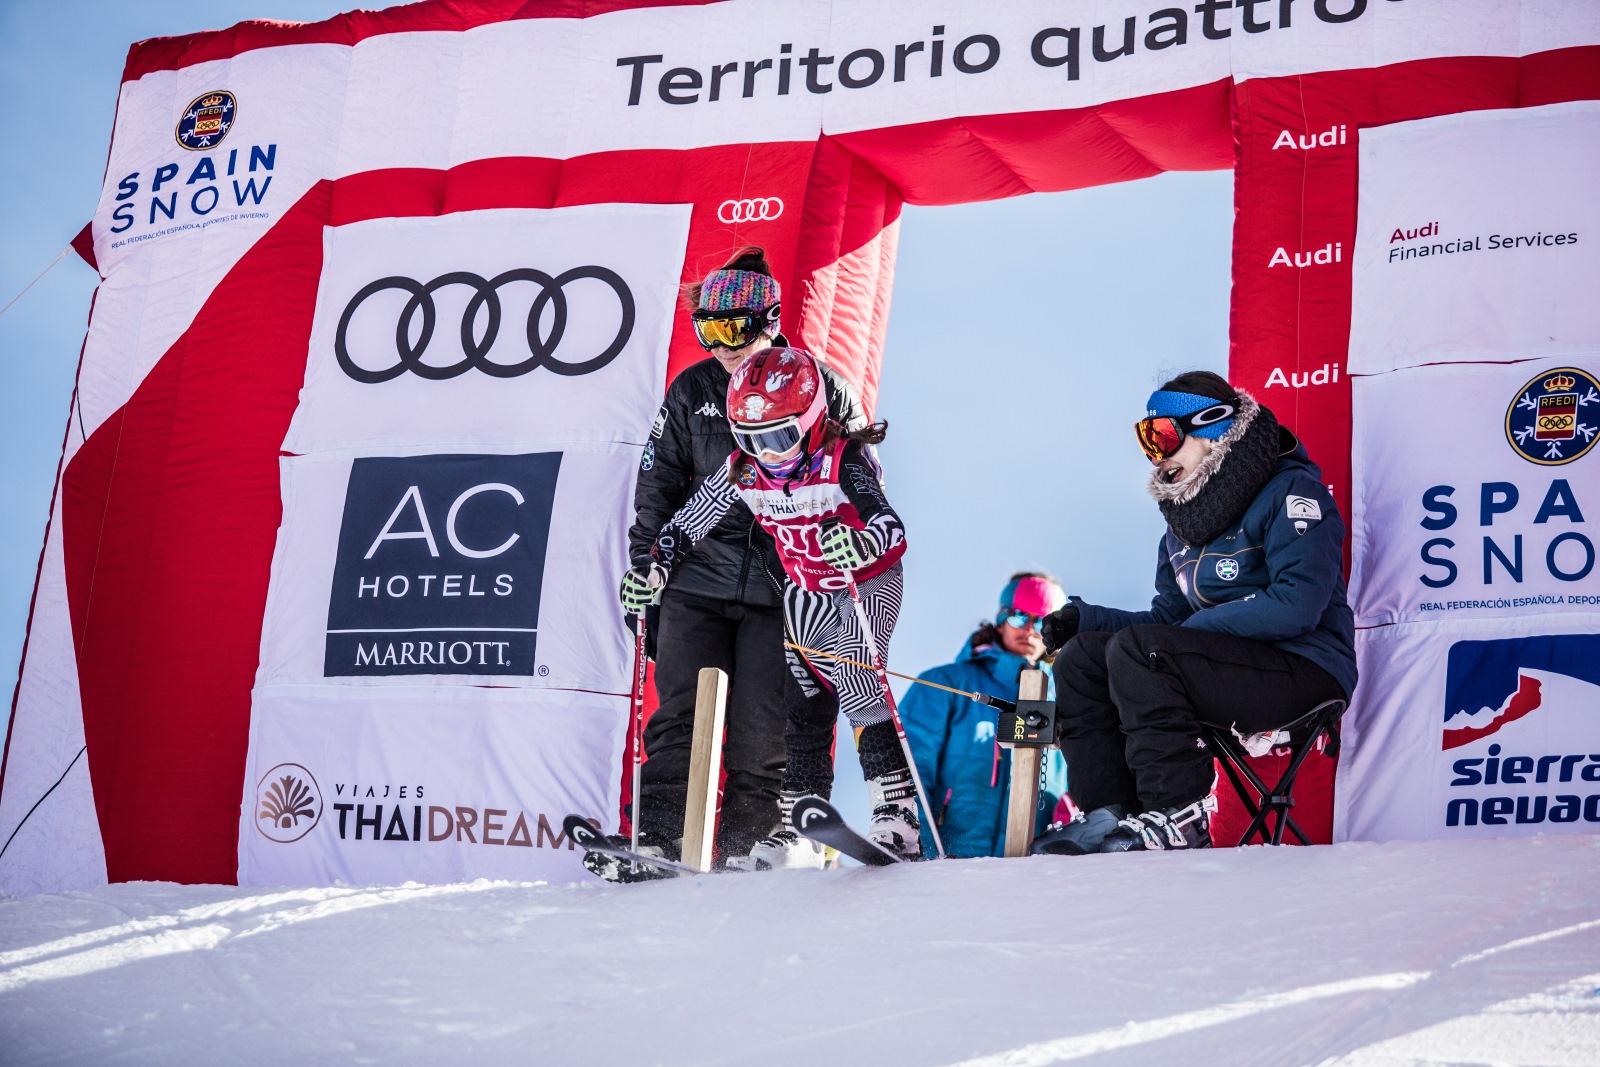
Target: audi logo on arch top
x,y
505,326
760,209
440,565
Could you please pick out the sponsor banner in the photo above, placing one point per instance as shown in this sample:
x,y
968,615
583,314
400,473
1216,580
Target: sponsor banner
x,y
1493,507
492,327
424,784
497,568
1447,269
1473,729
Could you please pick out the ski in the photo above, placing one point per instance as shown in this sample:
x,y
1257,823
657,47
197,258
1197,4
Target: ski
x,y
820,821
580,830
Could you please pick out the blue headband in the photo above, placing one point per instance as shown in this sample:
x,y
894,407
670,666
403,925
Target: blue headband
x,y
1172,404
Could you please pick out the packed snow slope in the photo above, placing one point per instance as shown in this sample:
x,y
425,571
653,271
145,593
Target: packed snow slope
x,y
1381,956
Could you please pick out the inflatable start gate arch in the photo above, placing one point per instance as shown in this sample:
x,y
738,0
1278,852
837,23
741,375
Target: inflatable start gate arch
x,y
388,305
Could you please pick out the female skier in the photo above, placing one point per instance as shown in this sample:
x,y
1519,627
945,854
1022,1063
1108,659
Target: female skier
x,y
817,489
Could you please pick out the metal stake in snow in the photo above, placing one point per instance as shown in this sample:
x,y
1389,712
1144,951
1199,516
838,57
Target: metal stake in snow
x,y
894,712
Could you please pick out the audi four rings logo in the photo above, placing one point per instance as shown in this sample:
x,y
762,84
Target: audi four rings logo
x,y
761,209
485,297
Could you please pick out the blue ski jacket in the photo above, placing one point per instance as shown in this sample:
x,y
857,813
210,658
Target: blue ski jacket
x,y
1277,577
953,741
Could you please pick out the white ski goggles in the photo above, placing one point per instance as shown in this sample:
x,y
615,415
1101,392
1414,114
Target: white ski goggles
x,y
777,439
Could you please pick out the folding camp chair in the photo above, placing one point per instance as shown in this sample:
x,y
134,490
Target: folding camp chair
x,y
1302,736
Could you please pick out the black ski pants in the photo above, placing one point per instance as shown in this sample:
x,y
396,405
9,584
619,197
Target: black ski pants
x,y
1129,705
746,641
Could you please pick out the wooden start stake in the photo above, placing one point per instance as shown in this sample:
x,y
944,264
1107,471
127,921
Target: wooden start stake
x,y
705,768
1023,802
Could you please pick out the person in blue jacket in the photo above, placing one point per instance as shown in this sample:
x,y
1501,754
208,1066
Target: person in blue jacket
x,y
963,767
1249,628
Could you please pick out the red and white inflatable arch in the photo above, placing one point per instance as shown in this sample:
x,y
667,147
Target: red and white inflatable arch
x,y
318,595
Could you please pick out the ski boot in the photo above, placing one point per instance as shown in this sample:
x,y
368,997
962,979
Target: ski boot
x,y
783,849
1079,836
1188,826
895,825
616,869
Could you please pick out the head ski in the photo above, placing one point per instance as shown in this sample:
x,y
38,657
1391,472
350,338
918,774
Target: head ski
x,y
821,822
580,830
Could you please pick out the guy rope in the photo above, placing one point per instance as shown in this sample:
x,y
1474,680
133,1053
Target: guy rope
x,y
982,698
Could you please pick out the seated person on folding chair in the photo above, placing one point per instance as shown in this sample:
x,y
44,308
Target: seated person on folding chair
x,y
1249,628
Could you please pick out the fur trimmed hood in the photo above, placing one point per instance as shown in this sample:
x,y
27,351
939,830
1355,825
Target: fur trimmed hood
x,y
1212,499
1165,492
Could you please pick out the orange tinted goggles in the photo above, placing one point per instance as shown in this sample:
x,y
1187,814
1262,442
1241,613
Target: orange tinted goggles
x,y
729,331
1159,437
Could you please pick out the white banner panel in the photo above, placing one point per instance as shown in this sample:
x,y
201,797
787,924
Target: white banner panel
x,y
443,670
469,568
427,785
1477,491
1475,401
492,327
494,568
1473,729
1478,237
59,846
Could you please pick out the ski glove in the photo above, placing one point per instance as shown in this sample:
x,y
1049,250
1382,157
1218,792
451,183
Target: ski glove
x,y
847,549
1058,628
642,588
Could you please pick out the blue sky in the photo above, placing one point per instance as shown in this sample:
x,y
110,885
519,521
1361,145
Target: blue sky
x,y
1024,337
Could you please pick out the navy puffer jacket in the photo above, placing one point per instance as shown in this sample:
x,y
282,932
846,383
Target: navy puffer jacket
x,y
1276,575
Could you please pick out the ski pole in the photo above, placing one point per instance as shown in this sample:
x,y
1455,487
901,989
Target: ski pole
x,y
983,698
894,713
640,664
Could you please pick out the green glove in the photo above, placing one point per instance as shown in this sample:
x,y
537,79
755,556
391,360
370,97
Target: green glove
x,y
847,549
642,588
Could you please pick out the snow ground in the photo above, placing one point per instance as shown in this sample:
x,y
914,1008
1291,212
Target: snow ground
x,y
1353,955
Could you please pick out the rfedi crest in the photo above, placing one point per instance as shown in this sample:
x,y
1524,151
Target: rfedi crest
x,y
288,803
1555,418
1227,569
206,121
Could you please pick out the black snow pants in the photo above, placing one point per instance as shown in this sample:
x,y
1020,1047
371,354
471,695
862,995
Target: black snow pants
x,y
1129,706
747,642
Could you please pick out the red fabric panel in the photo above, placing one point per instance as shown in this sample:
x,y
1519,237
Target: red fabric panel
x,y
845,266
953,161
1313,793
83,244
169,514
171,53
1297,320
1560,75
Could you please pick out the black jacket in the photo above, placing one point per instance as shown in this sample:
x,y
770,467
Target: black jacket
x,y
690,440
